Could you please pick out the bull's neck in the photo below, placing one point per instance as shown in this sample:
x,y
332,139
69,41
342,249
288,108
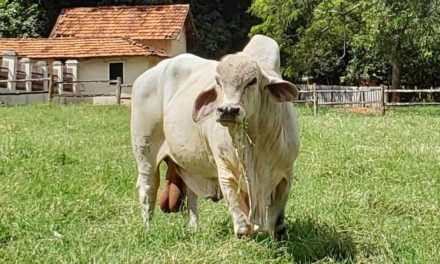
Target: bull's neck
x,y
266,125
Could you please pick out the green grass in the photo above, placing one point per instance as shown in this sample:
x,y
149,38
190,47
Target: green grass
x,y
367,191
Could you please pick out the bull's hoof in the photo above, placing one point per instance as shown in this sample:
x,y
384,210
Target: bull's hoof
x,y
193,225
243,230
280,232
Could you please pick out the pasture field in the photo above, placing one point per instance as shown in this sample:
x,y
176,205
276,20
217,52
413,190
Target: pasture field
x,y
367,191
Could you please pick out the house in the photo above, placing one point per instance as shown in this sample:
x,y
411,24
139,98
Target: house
x,y
99,43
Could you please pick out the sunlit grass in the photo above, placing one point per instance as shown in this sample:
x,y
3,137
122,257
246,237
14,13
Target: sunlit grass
x,y
367,191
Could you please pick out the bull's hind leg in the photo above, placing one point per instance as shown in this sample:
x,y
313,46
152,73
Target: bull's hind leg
x,y
148,178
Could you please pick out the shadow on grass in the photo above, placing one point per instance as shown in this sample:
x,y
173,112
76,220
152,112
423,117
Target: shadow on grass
x,y
306,241
309,241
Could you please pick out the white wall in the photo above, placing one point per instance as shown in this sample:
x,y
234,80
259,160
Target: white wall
x,y
178,46
172,47
98,69
160,44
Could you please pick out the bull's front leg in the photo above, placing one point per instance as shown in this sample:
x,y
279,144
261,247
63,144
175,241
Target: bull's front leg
x,y
237,202
276,209
193,211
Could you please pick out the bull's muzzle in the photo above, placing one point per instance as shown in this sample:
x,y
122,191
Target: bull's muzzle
x,y
231,113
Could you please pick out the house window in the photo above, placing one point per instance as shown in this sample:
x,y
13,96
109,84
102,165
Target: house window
x,y
116,69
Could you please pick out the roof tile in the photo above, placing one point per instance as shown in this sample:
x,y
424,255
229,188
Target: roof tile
x,y
136,22
65,48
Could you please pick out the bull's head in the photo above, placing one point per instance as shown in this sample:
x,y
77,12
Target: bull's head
x,y
236,94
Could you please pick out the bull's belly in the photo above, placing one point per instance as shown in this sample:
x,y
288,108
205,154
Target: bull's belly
x,y
188,150
186,146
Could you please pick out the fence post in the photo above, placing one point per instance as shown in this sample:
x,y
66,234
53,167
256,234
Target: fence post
x,y
44,67
50,89
58,71
118,90
72,65
28,73
363,99
315,99
382,99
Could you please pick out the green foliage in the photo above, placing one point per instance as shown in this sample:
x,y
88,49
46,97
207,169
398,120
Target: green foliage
x,y
222,26
19,18
400,32
286,22
367,191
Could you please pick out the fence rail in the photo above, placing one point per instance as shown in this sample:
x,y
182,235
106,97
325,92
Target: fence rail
x,y
316,95
52,83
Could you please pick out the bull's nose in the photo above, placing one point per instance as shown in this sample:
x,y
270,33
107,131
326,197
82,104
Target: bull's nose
x,y
228,110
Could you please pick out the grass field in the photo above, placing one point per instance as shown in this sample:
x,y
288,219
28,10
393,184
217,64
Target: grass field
x,y
367,191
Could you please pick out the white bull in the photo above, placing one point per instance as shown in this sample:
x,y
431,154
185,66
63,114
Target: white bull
x,y
228,126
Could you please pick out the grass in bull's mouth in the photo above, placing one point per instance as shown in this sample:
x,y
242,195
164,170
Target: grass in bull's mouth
x,y
367,191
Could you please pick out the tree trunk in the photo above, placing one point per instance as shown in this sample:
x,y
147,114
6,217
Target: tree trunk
x,y
395,84
397,70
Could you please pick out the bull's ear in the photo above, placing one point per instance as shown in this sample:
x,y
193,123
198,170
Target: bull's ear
x,y
281,90
205,104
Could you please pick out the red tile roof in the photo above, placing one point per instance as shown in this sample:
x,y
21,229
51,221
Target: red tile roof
x,y
136,22
65,48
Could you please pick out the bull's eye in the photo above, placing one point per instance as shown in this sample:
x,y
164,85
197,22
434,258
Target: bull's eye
x,y
254,81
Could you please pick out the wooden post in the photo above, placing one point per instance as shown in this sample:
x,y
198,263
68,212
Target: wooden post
x,y
363,98
382,99
118,90
58,71
50,89
315,100
26,62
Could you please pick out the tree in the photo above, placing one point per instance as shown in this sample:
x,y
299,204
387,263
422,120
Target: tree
x,y
340,39
396,27
19,18
313,35
324,44
286,22
222,26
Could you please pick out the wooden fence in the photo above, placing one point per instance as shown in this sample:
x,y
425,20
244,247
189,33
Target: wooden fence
x,y
353,96
316,95
53,91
